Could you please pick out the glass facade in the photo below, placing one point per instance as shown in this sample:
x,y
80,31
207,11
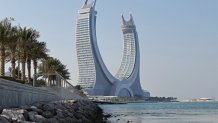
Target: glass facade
x,y
129,54
87,73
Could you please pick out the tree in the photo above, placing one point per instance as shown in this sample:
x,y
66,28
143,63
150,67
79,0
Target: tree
x,y
5,26
22,45
50,66
16,72
39,53
27,38
35,51
23,39
29,50
11,48
19,46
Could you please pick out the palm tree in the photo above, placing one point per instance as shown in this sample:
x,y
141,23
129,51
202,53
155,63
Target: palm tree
x,y
30,51
16,71
24,37
19,51
27,38
20,44
50,66
5,26
11,47
39,52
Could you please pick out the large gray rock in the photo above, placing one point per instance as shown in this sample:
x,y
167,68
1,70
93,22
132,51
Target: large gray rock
x,y
26,122
59,114
39,119
52,120
3,120
31,115
13,114
72,120
36,109
47,114
49,107
39,105
1,109
25,107
26,115
33,107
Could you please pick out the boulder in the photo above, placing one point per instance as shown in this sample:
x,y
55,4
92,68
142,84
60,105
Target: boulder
x,y
3,120
39,119
34,108
20,110
1,109
72,120
31,115
26,122
47,114
13,114
59,113
52,120
25,107
107,115
26,115
49,107
39,105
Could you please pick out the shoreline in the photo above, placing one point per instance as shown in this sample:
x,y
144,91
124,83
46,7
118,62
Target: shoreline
x,y
66,111
162,112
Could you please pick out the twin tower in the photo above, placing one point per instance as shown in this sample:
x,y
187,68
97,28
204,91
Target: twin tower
x,y
94,76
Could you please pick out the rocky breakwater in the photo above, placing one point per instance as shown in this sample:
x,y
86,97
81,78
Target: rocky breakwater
x,y
70,111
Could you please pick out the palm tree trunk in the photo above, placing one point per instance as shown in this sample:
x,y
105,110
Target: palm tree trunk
x,y
35,66
49,80
29,68
23,63
13,67
18,66
2,60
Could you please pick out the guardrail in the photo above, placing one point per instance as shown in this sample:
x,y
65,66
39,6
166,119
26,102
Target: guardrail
x,y
59,81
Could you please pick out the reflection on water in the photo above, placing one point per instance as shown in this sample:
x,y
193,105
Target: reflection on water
x,y
206,112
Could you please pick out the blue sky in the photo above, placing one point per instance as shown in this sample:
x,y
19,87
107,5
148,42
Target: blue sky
x,y
178,39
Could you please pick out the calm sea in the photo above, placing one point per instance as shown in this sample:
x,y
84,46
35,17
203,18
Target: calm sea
x,y
177,112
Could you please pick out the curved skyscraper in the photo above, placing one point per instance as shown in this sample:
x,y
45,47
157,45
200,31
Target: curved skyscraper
x,y
94,76
129,53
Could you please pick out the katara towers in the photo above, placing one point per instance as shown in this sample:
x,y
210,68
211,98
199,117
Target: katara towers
x,y
94,76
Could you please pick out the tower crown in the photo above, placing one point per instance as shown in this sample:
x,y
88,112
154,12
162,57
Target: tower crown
x,y
89,5
128,24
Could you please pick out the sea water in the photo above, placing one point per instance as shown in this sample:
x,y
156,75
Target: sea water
x,y
172,112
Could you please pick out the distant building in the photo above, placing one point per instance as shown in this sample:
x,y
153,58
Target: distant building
x,y
203,99
146,93
94,76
